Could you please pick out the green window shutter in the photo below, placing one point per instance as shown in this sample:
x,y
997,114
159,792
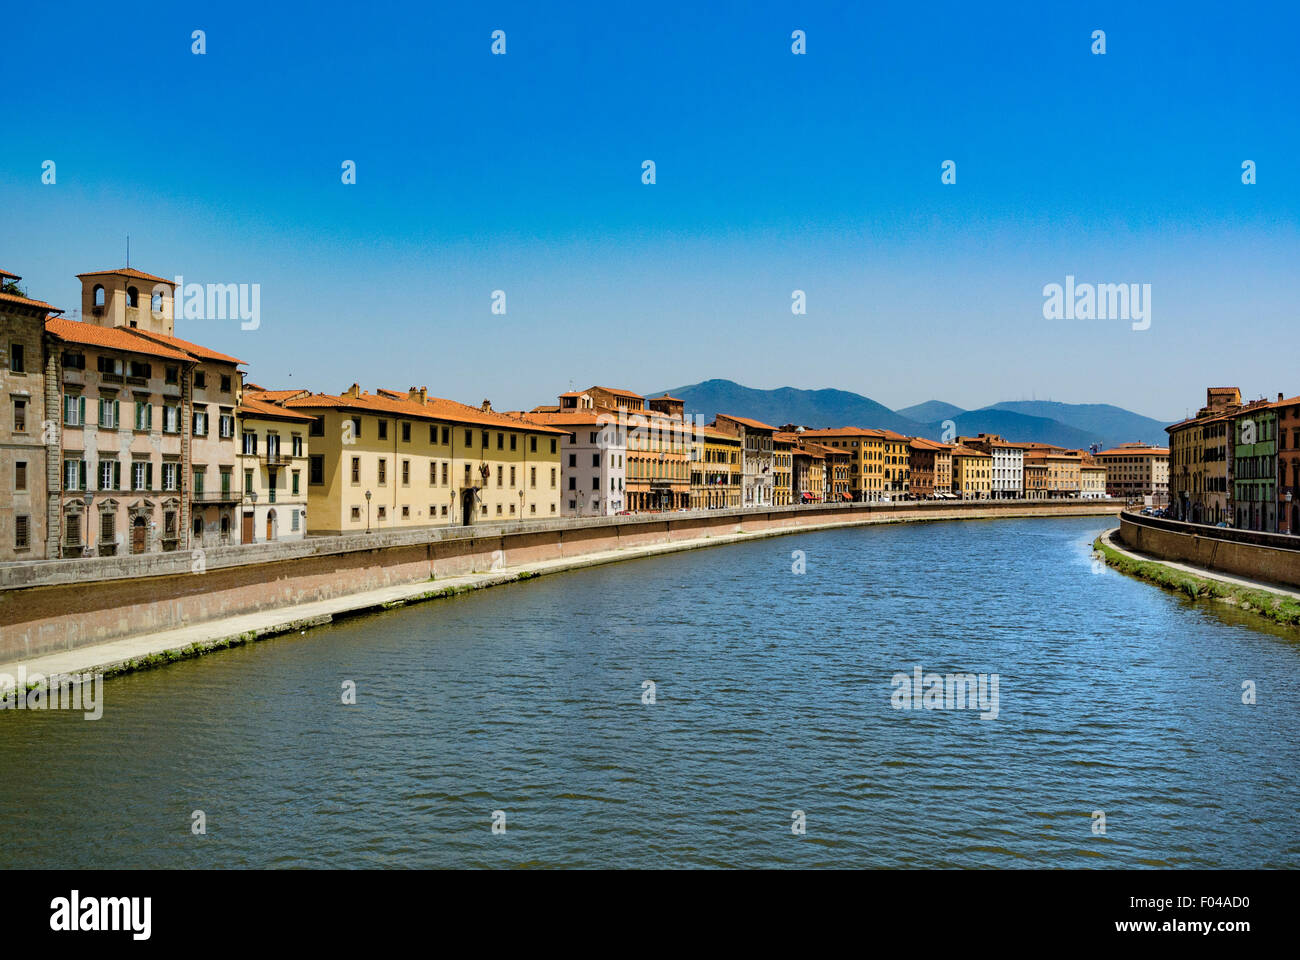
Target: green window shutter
x,y
117,413
83,474
81,409
117,475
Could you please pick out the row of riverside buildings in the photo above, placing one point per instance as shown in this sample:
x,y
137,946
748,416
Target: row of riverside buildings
x,y
118,437
1237,463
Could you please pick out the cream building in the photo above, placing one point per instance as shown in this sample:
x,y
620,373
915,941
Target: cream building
x,y
271,483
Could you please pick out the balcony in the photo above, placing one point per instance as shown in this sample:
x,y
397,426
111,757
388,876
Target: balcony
x,y
274,458
216,496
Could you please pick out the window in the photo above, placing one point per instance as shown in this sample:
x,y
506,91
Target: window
x,y
552,478
383,513
74,410
317,427
573,483
20,475
74,361
406,432
293,514
20,415
383,429
250,444
356,428
132,297
469,439
446,435
225,383
500,475
108,527
467,480
595,483
316,469
143,415
356,469
248,481
171,418
573,459
172,375
294,477
227,421
22,533
99,295
513,438
595,459
141,475
200,380
296,444
16,358
532,444
73,526
406,512
201,423
444,473
512,476
383,470
406,473
171,475
552,451
356,513
196,480
433,473
74,474
532,477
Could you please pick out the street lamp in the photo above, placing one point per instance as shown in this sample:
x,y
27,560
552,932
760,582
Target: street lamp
x,y
367,511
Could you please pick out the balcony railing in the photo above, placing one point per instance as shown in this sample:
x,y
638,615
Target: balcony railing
x,y
276,459
216,496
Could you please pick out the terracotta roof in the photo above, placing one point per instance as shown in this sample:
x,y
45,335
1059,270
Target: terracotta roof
x,y
667,397
616,391
745,421
112,338
434,408
826,451
571,418
1133,449
271,396
925,444
846,432
128,272
962,451
11,276
250,406
28,302
812,451
200,352
711,431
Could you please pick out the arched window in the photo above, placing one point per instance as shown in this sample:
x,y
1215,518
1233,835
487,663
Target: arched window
x,y
99,295
132,297
155,303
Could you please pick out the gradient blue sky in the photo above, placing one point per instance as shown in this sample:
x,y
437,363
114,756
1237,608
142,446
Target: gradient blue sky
x,y
775,172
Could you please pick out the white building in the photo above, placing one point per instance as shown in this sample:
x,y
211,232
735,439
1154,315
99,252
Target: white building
x,y
593,460
1008,480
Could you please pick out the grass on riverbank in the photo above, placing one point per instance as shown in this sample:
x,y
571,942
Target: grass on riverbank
x,y
1279,609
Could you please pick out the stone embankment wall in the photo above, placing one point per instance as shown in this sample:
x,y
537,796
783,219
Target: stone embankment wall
x,y
58,605
1259,556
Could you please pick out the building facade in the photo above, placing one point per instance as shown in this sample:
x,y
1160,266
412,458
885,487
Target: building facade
x,y
757,481
1288,465
972,473
29,433
593,461
269,487
392,459
1135,471
1254,466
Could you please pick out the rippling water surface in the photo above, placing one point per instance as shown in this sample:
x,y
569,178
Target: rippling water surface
x,y
773,695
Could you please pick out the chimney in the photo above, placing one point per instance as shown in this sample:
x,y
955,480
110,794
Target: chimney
x,y
487,406
417,395
1279,396
353,391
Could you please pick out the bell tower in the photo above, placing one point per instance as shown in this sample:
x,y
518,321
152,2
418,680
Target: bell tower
x,y
128,298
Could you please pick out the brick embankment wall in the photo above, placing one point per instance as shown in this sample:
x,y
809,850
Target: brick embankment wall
x,y
59,605
1271,557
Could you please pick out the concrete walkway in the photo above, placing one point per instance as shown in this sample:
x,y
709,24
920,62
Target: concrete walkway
x,y
1228,578
134,653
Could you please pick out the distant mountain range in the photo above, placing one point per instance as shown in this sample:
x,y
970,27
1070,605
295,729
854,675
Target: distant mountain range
x,y
1041,421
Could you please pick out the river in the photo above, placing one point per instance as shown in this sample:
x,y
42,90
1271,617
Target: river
x,y
773,693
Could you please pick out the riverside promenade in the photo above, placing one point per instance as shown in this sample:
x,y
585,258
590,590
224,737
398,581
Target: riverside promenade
x,y
490,559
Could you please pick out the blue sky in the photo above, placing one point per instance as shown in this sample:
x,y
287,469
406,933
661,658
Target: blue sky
x,y
775,172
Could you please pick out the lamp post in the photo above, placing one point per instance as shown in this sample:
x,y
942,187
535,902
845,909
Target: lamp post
x,y
367,511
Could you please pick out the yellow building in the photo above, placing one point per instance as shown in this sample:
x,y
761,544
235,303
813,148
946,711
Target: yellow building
x,y
272,479
717,472
390,460
896,469
782,469
972,473
866,449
